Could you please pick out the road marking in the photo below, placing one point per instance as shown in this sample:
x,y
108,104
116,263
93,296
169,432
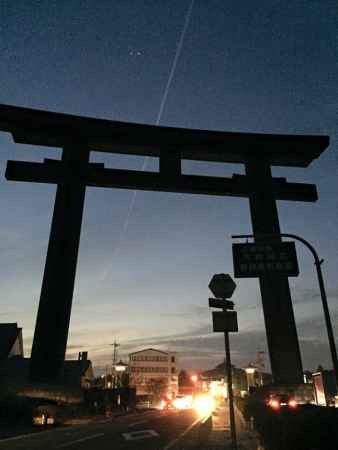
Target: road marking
x,y
174,441
142,434
22,436
137,423
93,436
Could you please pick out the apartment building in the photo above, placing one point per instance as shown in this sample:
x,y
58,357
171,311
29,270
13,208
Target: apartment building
x,y
151,369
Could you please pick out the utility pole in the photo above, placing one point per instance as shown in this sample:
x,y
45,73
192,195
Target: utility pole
x,y
115,345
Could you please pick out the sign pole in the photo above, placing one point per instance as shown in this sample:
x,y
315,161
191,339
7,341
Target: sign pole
x,y
223,286
318,263
230,392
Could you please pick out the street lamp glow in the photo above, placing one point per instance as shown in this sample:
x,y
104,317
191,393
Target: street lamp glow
x,y
194,378
250,370
120,367
204,405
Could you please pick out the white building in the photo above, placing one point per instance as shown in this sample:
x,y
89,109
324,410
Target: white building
x,y
150,370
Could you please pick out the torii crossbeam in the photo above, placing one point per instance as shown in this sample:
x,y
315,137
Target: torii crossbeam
x,y
77,136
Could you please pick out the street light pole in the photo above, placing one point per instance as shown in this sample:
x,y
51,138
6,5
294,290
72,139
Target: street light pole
x,y
318,263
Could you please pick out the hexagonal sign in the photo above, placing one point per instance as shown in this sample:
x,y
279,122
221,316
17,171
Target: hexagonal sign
x,y
222,285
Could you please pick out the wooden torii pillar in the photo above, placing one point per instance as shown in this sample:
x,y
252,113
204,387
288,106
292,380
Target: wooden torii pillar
x,y
78,136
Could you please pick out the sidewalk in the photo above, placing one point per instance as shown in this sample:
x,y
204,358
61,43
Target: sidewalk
x,y
220,437
217,436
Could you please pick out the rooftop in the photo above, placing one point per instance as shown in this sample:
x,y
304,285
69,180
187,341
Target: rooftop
x,y
8,335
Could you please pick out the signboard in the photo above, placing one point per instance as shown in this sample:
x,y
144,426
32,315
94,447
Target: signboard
x,y
254,260
225,321
319,388
222,285
220,303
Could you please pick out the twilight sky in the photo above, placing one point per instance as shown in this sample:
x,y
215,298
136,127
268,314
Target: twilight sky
x,y
267,66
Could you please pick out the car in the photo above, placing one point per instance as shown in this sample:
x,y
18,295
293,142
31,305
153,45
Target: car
x,y
276,402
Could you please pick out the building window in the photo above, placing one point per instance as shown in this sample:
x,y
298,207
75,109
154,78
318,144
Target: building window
x,y
173,370
173,359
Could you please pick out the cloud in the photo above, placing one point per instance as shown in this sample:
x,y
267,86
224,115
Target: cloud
x,y
304,296
200,348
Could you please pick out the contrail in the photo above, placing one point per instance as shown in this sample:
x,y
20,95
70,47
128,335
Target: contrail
x,y
174,64
158,119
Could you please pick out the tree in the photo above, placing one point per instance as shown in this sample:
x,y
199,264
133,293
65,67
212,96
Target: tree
x,y
184,380
157,387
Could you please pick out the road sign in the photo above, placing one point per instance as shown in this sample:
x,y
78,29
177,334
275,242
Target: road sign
x,y
220,303
254,260
225,321
222,285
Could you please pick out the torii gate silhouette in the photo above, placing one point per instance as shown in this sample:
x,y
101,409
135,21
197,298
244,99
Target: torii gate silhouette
x,y
77,136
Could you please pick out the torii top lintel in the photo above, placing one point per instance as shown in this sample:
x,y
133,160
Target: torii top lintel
x,y
38,127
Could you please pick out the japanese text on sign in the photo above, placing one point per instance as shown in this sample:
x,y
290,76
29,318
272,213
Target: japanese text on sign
x,y
254,260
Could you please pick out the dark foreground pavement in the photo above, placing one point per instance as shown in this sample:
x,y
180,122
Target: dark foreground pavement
x,y
216,435
153,430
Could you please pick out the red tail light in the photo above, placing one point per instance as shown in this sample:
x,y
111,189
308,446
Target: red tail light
x,y
274,404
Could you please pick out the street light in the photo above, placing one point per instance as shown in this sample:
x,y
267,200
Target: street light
x,y
250,376
121,366
318,263
119,369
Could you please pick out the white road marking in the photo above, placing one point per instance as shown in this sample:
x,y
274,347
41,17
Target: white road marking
x,y
93,436
142,434
22,436
137,423
174,441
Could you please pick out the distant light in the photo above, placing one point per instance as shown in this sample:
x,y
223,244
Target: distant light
x,y
163,404
183,402
274,404
217,389
120,367
194,378
250,370
292,403
204,405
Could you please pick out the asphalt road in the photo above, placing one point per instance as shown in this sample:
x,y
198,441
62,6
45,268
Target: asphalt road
x,y
153,430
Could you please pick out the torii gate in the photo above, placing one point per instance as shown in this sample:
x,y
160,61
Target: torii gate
x,y
77,136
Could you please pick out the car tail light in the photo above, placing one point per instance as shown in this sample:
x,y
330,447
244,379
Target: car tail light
x,y
274,404
292,404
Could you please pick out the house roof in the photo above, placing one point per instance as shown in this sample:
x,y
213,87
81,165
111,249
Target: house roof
x,y
38,127
17,369
147,350
75,369
8,335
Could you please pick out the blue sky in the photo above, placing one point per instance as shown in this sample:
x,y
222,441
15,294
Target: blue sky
x,y
266,68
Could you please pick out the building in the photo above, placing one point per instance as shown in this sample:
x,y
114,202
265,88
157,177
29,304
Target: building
x,y
153,372
11,344
242,379
78,373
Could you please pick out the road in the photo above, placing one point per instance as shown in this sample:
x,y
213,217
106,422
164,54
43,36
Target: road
x,y
153,430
